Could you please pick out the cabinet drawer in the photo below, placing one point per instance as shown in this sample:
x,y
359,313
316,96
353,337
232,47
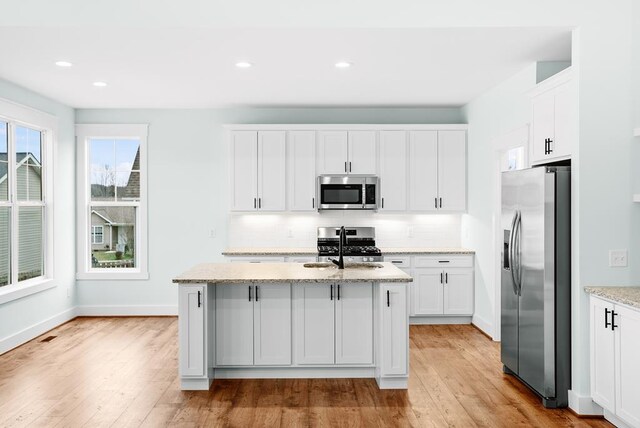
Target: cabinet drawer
x,y
445,261
401,261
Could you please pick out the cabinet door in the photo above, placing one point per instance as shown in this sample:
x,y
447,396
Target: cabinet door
x,y
332,152
313,314
302,170
428,291
244,170
602,354
234,325
452,170
543,125
272,324
627,376
423,170
393,170
458,292
564,120
395,333
362,152
354,324
271,170
191,317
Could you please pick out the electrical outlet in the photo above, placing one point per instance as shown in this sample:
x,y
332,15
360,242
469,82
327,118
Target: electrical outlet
x,y
212,233
617,258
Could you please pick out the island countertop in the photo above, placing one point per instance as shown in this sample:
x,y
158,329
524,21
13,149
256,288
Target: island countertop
x,y
313,251
242,273
625,295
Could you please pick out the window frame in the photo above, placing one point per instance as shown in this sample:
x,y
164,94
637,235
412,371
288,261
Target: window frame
x,y
84,133
19,115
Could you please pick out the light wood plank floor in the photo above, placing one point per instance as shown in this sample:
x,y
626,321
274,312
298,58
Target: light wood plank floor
x,y
123,372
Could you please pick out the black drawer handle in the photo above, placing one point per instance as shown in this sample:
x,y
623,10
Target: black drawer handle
x,y
397,262
444,261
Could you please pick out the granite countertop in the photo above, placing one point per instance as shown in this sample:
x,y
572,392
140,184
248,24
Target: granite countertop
x,y
625,295
242,273
309,251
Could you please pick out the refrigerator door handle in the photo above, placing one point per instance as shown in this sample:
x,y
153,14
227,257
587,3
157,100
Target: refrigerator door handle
x,y
511,252
518,254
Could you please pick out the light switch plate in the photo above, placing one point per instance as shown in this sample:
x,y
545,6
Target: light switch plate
x,y
618,258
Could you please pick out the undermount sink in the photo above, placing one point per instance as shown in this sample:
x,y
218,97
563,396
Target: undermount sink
x,y
349,265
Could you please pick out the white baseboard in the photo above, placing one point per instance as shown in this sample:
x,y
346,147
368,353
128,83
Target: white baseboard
x,y
126,310
435,320
583,405
292,372
619,423
29,333
483,325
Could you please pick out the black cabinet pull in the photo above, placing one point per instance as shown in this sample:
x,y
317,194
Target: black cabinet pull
x,y
331,293
382,202
444,261
249,293
440,202
441,282
388,303
550,149
613,320
254,203
446,278
257,292
259,202
349,166
436,199
338,291
199,295
345,167
606,318
313,202
396,262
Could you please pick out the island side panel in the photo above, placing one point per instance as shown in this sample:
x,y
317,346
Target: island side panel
x,y
193,331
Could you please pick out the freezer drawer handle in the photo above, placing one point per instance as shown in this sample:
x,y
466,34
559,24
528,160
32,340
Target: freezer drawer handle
x,y
613,320
606,318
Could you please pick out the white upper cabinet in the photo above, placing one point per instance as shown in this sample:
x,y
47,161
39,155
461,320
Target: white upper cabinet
x,y
244,170
332,152
258,170
452,170
393,170
362,152
437,170
423,170
271,170
301,149
553,117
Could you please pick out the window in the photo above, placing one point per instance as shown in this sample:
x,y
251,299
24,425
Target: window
x,y
97,234
25,196
112,184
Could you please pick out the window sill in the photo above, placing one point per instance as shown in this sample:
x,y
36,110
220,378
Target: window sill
x,y
12,292
111,275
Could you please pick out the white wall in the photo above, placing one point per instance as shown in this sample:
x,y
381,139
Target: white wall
x,y
188,184
490,116
21,319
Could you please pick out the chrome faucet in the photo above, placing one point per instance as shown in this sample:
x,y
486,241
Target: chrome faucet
x,y
343,241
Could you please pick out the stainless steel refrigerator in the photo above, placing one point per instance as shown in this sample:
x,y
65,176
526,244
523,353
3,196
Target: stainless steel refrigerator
x,y
536,280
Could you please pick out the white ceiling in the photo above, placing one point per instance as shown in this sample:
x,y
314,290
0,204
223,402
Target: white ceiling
x,y
194,68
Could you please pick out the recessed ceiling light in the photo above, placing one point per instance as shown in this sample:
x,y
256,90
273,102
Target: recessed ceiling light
x,y
343,64
99,84
63,64
243,64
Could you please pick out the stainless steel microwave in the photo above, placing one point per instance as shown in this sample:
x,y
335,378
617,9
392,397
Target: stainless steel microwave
x,y
347,192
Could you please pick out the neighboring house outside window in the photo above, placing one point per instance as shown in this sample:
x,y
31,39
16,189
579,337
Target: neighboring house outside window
x,y
25,196
112,183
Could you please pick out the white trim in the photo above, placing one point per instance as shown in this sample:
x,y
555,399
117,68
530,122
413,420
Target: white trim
x,y
84,269
393,382
25,288
188,384
435,320
344,127
25,115
126,310
23,336
583,404
483,325
289,372
615,420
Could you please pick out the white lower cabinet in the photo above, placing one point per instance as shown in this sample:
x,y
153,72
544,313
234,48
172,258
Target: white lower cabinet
x,y
192,330
428,292
333,324
458,292
253,324
394,320
615,352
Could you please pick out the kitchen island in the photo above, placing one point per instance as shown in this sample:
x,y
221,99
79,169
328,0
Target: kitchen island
x,y
293,320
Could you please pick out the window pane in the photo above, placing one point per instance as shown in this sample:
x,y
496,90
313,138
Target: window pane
x,y
4,163
103,185
128,186
117,249
30,248
102,154
127,155
103,171
28,144
5,265
28,164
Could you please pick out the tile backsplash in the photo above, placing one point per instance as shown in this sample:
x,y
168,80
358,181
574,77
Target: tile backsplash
x,y
299,230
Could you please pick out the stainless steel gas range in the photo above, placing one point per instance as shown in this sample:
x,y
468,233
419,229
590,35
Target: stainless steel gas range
x,y
360,245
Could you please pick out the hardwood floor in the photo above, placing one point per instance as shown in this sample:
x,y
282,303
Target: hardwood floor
x,y
123,372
